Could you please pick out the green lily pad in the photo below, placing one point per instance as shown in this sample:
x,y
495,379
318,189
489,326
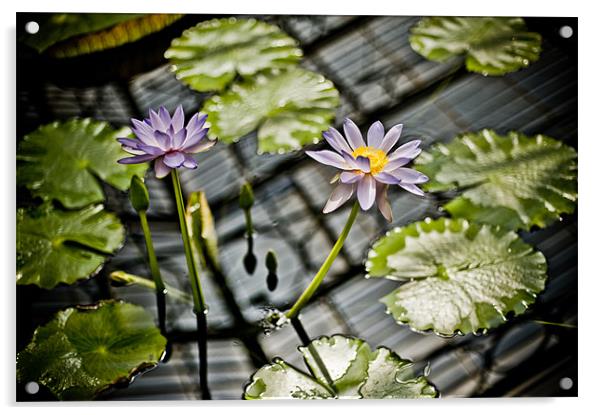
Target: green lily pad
x,y
209,56
353,370
202,228
457,277
65,160
288,108
513,181
55,246
56,27
119,34
492,45
85,350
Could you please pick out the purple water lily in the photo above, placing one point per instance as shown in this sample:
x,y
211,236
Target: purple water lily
x,y
164,139
369,169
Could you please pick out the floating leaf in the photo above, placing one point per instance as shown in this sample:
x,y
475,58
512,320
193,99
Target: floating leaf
x,y
85,350
56,27
513,181
121,33
202,228
458,277
55,246
354,372
493,45
289,108
209,56
63,161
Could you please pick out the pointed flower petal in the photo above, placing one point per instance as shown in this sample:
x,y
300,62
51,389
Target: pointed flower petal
x,y
376,132
351,177
353,134
340,195
136,159
177,122
363,164
174,160
386,178
406,175
382,201
203,145
366,192
161,169
412,188
336,141
330,158
391,138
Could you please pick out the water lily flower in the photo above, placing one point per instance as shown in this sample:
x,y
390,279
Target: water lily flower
x,y
165,140
369,168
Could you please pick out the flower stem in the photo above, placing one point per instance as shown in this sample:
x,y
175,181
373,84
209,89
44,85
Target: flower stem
x,y
315,283
197,293
193,273
155,271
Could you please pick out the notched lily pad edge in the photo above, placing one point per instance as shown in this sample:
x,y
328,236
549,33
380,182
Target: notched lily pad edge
x,y
307,371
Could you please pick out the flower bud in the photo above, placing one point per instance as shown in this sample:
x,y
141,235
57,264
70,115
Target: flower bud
x,y
246,198
139,195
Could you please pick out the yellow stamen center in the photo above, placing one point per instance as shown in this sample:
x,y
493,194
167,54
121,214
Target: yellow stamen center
x,y
378,158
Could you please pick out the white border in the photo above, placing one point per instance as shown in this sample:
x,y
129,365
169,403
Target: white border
x,y
590,139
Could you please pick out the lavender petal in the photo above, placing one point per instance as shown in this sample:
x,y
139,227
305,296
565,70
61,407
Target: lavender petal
x,y
351,177
163,140
363,163
330,158
156,122
340,195
409,150
366,192
152,150
376,132
396,163
190,162
412,188
179,138
353,134
136,159
391,138
177,121
386,178
165,117
161,169
406,176
202,145
174,159
194,137
128,142
337,141
382,201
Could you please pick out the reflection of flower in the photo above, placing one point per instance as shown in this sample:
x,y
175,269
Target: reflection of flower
x,y
369,169
165,140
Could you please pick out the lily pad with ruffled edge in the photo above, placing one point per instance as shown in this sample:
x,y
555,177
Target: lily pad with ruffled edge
x,y
457,277
55,246
85,350
492,45
209,56
512,181
289,109
65,161
340,367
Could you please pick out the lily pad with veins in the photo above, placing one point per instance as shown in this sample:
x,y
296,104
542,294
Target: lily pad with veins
x,y
340,367
55,246
492,45
66,161
513,180
209,56
456,277
289,109
85,350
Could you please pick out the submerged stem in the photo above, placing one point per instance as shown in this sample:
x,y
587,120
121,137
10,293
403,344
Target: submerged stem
x,y
315,283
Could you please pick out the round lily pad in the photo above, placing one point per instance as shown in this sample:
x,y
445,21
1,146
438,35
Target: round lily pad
x,y
209,56
492,45
55,246
340,368
289,109
83,351
512,181
64,161
457,277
